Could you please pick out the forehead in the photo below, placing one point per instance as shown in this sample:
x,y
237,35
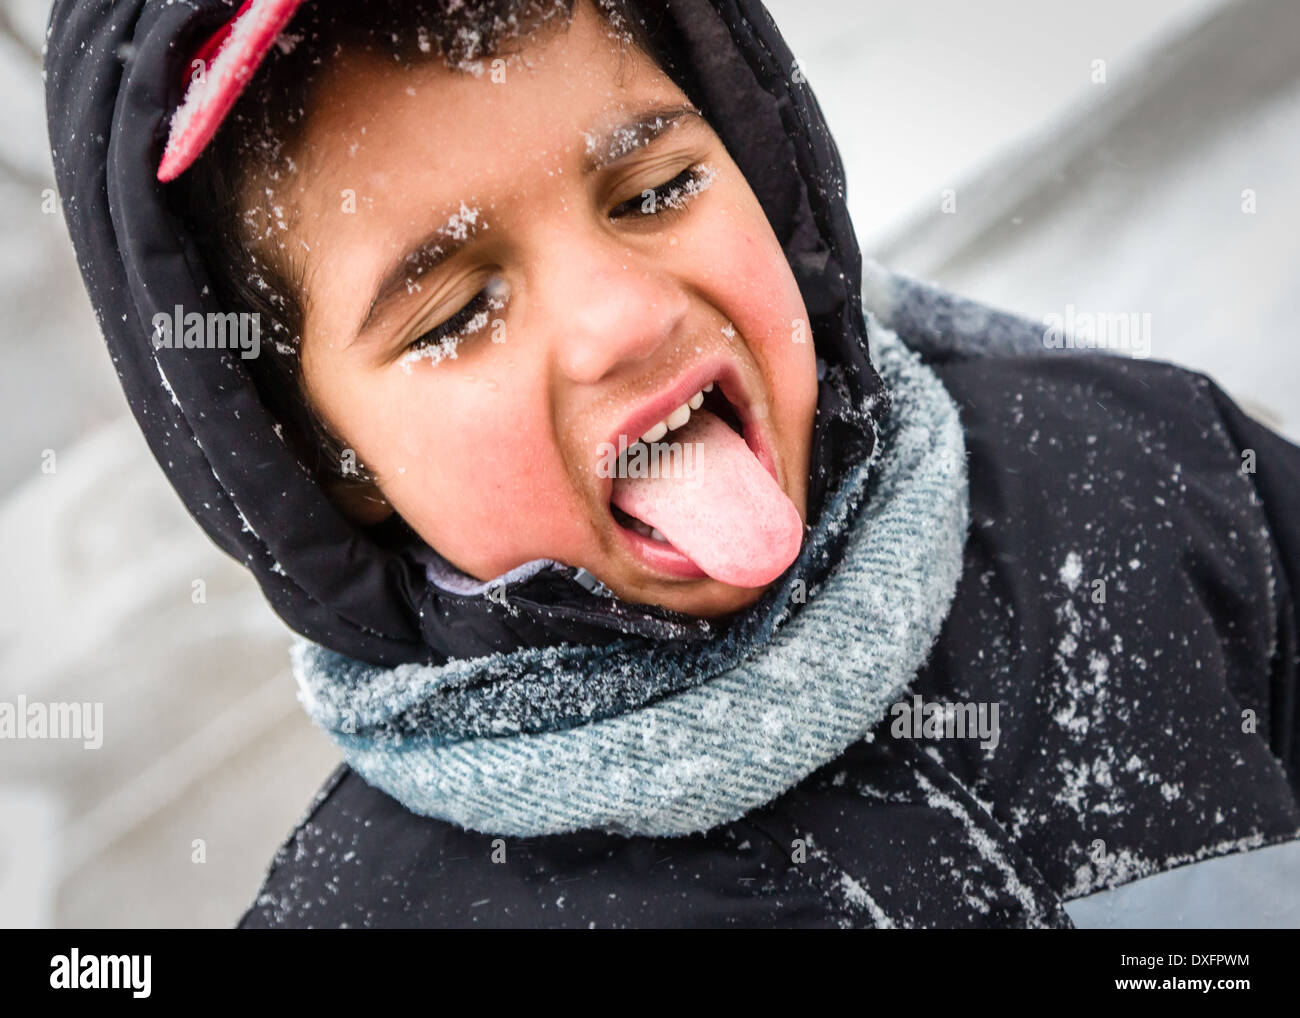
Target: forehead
x,y
515,119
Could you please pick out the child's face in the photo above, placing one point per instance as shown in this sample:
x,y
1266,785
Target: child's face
x,y
593,308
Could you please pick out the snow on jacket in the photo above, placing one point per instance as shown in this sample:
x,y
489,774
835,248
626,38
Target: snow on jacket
x,y
1147,724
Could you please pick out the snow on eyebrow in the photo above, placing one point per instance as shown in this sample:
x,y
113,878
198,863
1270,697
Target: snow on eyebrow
x,y
627,138
458,228
460,224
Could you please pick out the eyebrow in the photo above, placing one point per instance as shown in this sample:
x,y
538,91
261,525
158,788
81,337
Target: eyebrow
x,y
625,138
603,149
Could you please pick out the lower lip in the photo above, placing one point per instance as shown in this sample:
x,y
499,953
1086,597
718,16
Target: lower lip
x,y
659,555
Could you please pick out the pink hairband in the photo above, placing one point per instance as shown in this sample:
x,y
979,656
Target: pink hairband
x,y
227,60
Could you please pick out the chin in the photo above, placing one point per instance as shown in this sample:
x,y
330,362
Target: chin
x,y
707,599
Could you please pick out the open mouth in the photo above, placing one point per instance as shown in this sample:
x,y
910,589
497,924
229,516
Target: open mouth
x,y
715,507
710,399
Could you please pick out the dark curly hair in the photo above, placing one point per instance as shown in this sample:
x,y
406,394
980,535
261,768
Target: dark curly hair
x,y
212,198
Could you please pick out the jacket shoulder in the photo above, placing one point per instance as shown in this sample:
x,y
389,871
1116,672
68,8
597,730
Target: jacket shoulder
x,y
1127,600
361,859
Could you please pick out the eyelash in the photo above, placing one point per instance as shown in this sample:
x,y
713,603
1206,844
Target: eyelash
x,y
450,330
668,198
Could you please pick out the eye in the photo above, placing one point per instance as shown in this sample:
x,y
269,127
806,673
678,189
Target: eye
x,y
440,342
668,197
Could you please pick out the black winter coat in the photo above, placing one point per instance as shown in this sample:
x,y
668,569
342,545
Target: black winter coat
x,y
1139,734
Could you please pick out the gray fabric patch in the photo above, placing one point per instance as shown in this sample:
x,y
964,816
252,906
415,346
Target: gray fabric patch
x,y
1257,889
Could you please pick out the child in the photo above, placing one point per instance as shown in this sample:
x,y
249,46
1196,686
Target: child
x,y
953,635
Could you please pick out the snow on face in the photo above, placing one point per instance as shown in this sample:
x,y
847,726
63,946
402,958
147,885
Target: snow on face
x,y
445,346
460,225
560,283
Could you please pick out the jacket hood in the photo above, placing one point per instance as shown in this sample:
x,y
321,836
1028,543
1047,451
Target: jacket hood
x,y
115,71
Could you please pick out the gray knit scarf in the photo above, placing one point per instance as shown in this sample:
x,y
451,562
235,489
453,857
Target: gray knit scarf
x,y
682,738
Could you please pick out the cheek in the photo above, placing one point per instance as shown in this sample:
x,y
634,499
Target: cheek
x,y
482,481
749,280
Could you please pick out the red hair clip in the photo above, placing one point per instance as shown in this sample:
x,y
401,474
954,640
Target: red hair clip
x,y
227,60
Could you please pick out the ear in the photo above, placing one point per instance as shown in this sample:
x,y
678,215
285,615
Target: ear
x,y
361,503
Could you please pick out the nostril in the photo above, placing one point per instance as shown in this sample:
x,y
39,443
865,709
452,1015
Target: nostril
x,y
613,326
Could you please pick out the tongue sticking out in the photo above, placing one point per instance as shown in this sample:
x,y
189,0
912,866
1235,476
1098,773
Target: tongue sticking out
x,y
725,513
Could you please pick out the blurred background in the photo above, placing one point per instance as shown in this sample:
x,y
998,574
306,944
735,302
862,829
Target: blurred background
x,y
1117,156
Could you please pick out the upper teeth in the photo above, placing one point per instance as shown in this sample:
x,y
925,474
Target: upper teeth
x,y
677,418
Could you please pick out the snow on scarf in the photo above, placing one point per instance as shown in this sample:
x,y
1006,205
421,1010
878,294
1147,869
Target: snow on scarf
x,y
683,737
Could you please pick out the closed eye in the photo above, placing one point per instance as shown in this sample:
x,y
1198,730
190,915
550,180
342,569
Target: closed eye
x,y
668,197
470,319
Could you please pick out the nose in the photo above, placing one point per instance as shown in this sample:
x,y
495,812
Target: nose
x,y
614,308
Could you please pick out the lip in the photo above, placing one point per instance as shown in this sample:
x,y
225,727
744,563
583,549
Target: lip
x,y
657,555
725,375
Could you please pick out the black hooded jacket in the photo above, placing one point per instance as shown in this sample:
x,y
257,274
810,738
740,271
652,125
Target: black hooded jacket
x,y
1141,733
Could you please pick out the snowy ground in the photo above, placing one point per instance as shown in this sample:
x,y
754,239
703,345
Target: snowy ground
x,y
1122,195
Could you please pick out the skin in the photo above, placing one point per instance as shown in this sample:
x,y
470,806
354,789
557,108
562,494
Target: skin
x,y
490,456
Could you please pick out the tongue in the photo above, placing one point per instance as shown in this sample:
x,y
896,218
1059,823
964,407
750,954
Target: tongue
x,y
725,513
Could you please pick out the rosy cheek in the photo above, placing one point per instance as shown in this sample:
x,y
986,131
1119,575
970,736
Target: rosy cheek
x,y
487,456
754,287
474,445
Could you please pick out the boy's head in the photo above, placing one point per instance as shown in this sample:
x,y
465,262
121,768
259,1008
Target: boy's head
x,y
483,274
